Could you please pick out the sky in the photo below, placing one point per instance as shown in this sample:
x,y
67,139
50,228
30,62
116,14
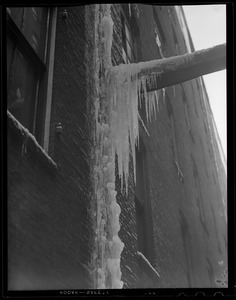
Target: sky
x,y
207,26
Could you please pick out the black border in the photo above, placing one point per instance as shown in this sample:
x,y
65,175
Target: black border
x,y
231,290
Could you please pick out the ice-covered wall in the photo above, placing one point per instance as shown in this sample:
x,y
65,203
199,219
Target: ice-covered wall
x,y
118,93
108,245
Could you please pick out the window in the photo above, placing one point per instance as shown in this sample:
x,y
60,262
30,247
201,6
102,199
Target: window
x,y
177,49
199,197
173,138
204,158
210,271
141,227
158,42
27,56
194,102
159,27
216,231
186,111
160,37
171,14
127,42
186,243
141,207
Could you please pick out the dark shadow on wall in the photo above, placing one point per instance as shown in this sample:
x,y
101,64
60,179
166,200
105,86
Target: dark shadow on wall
x,y
187,246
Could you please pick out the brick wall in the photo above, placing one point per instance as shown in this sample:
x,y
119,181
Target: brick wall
x,y
50,230
186,249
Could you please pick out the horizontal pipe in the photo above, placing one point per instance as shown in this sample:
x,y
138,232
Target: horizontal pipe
x,y
174,70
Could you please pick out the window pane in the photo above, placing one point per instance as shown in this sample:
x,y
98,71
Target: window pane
x,y
127,34
22,90
129,52
124,56
140,175
16,14
35,28
10,46
174,138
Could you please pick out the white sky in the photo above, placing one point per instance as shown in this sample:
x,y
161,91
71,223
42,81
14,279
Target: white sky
x,y
207,26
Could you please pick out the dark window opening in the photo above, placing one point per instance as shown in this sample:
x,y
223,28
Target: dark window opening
x,y
194,102
205,128
131,51
183,93
197,84
173,141
186,244
204,158
142,244
27,32
175,40
171,14
158,24
168,106
141,206
187,117
126,10
199,197
204,226
210,271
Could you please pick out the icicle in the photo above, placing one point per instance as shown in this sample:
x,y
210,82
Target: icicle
x,y
157,100
174,90
164,95
129,10
144,125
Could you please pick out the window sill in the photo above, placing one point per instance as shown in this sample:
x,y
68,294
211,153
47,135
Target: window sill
x,y
147,265
180,174
29,141
191,134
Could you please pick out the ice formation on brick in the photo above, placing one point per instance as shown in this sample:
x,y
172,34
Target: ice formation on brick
x,y
108,244
119,90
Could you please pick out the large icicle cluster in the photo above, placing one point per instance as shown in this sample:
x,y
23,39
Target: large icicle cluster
x,y
126,89
118,92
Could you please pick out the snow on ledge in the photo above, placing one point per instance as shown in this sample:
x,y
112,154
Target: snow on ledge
x,y
140,254
25,132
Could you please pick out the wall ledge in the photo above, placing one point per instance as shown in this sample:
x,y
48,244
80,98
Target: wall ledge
x,y
147,265
28,141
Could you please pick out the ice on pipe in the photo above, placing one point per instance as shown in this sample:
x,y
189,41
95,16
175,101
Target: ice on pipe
x,y
126,89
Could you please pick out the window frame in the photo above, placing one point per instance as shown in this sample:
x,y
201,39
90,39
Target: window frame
x,y
177,47
142,205
158,25
199,197
127,40
186,111
173,139
41,65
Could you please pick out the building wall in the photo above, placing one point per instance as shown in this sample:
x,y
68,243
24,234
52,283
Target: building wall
x,y
188,235
49,225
